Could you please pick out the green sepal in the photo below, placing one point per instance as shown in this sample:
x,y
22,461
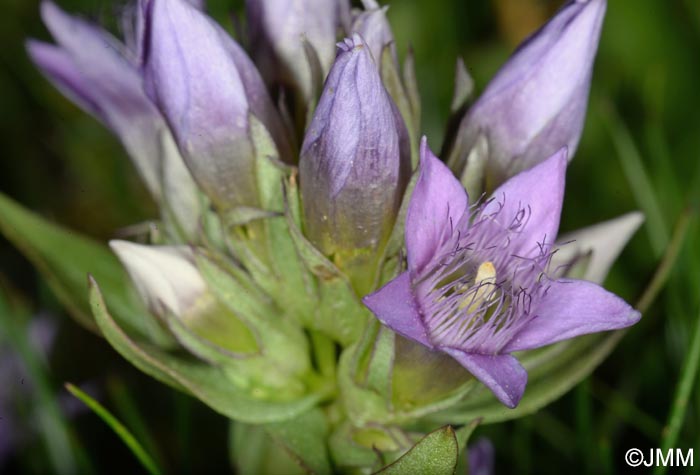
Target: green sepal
x,y
242,215
374,360
210,384
391,77
294,446
304,438
368,447
282,342
376,389
413,93
252,451
464,87
437,454
331,291
65,258
317,76
391,262
362,405
474,174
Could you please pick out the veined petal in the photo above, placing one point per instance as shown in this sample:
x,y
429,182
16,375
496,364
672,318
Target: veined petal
x,y
572,308
395,306
604,241
202,98
502,374
438,203
534,197
206,87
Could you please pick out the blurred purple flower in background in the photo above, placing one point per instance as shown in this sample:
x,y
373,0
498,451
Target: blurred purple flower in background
x,y
481,457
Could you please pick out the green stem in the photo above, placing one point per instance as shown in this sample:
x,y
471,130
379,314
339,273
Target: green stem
x,y
680,403
667,262
127,437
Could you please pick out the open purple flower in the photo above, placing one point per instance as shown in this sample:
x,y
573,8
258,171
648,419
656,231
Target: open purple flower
x,y
477,288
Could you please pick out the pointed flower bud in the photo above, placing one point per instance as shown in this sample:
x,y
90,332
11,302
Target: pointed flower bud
x,y
372,25
599,245
477,285
355,160
207,99
164,276
278,29
537,102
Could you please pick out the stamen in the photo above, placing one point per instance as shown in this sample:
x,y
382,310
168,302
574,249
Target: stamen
x,y
484,282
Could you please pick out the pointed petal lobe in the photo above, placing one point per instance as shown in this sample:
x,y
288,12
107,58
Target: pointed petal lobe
x,y
536,196
438,203
572,308
502,374
395,307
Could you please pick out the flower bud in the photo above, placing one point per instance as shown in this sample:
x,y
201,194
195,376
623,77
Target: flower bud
x,y
165,276
207,99
536,104
277,31
355,160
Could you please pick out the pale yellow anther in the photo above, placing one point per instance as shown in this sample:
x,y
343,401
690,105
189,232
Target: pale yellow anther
x,y
484,280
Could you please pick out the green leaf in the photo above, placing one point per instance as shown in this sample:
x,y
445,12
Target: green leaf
x,y
208,383
252,451
436,454
304,438
124,434
334,293
65,258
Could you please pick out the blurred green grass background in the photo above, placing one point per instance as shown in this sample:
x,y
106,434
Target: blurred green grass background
x,y
640,150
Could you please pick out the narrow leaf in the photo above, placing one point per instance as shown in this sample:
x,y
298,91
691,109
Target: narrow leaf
x,y
134,446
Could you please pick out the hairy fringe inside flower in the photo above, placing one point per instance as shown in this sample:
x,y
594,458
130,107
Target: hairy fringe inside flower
x,y
478,293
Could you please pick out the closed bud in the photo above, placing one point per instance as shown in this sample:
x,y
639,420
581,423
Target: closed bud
x,y
165,277
536,104
355,160
207,99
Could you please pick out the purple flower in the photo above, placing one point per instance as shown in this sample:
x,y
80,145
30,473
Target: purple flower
x,y
477,288
98,73
101,76
207,88
480,456
278,29
355,160
537,102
